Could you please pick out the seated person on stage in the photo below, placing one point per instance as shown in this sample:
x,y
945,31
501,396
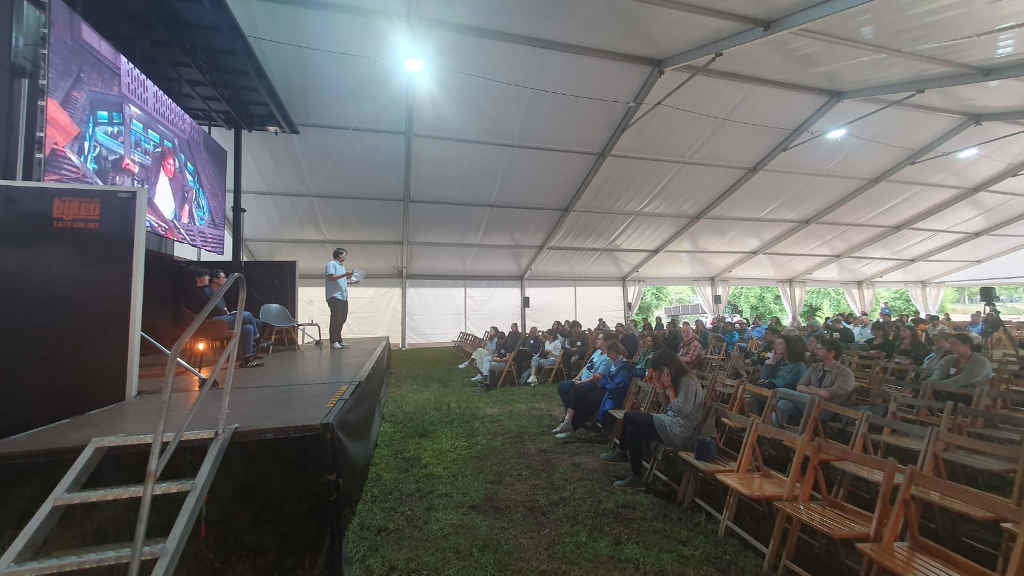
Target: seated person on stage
x,y
827,379
546,358
684,420
960,373
610,392
691,353
585,382
220,309
196,298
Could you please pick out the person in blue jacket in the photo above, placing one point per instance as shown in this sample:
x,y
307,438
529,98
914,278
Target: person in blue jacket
x,y
787,364
609,393
730,336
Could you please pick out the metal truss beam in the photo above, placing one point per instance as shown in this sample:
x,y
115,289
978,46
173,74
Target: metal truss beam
x,y
846,199
786,23
987,75
747,177
631,110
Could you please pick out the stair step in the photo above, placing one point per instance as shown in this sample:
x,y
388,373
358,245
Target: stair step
x,y
140,439
123,492
83,558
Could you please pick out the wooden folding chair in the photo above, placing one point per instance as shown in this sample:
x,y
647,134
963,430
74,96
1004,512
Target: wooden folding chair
x,y
973,455
638,398
756,482
835,518
919,555
911,438
999,427
511,369
558,368
866,369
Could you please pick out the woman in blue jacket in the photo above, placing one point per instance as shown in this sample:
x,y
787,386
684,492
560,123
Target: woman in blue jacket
x,y
610,394
787,365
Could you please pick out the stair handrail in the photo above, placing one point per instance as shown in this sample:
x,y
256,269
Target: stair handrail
x,y
158,458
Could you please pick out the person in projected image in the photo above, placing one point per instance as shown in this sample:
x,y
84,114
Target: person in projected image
x,y
168,190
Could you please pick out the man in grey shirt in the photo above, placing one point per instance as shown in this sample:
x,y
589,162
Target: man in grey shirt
x,y
337,294
828,380
961,372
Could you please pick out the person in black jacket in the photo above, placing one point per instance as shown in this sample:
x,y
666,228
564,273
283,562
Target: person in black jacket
x,y
196,297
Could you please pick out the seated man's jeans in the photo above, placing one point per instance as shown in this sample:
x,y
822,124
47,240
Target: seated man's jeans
x,y
791,404
247,319
247,340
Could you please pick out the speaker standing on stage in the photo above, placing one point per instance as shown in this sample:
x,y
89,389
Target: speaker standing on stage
x,y
337,295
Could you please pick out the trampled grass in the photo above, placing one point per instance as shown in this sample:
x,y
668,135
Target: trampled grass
x,y
473,483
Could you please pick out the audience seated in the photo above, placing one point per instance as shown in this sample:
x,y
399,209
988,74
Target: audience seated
x,y
590,402
628,339
685,417
963,370
691,353
786,365
586,382
910,349
730,336
658,326
702,332
545,358
481,356
827,379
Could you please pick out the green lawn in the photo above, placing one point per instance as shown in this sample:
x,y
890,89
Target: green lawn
x,y
473,483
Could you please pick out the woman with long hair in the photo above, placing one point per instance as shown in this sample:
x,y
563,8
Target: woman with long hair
x,y
787,365
677,427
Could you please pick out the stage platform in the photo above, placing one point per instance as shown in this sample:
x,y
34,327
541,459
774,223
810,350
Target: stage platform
x,y
296,392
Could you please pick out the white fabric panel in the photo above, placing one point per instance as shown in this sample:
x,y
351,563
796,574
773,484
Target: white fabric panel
x,y
732,235
632,28
705,294
319,161
929,28
588,230
860,296
635,289
908,244
851,269
479,261
890,204
917,296
1005,266
724,288
984,98
786,196
691,189
283,218
313,83
313,257
549,302
627,184
793,296
1014,229
461,172
647,232
470,224
586,264
871,145
374,309
978,248
977,213
593,302
495,303
672,265
933,297
776,266
435,310
811,62
920,270
827,239
968,172
698,125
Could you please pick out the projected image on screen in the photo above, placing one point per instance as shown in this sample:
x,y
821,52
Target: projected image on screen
x,y
107,124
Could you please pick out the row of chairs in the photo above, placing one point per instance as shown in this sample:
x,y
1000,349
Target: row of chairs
x,y
514,365
835,447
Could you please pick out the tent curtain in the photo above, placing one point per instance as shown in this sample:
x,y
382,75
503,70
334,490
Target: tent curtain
x,y
917,296
705,295
635,289
933,297
723,290
793,296
860,296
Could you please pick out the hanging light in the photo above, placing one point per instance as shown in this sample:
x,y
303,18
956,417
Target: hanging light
x,y
413,64
967,153
836,134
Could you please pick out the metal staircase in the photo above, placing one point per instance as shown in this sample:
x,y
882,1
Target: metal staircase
x,y
19,558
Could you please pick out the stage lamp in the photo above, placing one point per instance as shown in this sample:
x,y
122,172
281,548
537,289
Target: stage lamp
x,y
836,134
967,153
413,64
201,345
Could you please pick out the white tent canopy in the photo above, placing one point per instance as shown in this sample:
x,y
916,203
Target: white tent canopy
x,y
530,147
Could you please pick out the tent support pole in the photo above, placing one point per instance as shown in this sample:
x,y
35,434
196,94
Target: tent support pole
x,y
237,239
625,302
522,304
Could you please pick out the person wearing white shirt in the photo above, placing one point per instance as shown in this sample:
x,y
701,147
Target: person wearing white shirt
x,y
547,358
336,283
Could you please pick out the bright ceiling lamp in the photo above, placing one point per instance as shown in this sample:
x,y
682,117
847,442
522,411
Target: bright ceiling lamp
x,y
836,134
413,64
967,153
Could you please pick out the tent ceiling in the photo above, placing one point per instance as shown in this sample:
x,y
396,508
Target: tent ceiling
x,y
512,159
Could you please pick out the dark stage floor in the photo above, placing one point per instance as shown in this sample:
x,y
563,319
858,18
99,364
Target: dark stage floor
x,y
292,394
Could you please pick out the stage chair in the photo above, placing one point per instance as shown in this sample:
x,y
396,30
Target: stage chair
x,y
834,518
918,555
280,320
754,481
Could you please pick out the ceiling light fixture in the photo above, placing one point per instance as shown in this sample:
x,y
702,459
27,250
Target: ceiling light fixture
x,y
413,64
836,134
967,153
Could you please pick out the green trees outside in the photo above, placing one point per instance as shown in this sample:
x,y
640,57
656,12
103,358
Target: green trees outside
x,y
898,299
656,298
750,301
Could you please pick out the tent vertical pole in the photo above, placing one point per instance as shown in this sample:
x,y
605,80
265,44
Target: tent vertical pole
x,y
522,303
625,302
405,298
236,197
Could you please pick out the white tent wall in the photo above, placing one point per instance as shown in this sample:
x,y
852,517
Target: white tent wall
x,y
491,303
597,300
549,302
375,308
435,310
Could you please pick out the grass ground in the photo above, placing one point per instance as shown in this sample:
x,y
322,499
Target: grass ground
x,y
473,483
